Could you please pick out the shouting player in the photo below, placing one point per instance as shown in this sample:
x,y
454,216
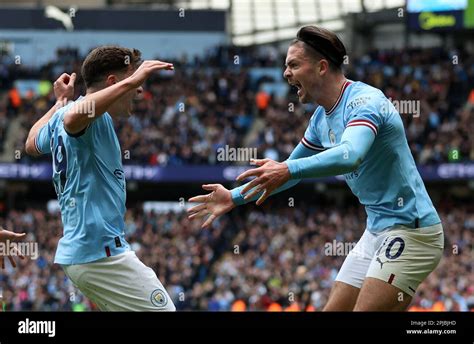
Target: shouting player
x,y
90,182
355,131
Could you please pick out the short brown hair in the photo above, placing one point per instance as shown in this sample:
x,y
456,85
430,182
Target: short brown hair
x,y
107,59
324,43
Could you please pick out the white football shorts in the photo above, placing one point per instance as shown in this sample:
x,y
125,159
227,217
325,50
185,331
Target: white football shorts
x,y
120,283
399,255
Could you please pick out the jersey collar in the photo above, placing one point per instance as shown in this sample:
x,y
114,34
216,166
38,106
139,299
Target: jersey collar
x,y
343,88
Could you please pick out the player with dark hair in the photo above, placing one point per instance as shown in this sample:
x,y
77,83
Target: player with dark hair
x,y
355,131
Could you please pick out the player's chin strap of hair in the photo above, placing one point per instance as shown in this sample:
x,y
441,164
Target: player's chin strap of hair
x,y
320,49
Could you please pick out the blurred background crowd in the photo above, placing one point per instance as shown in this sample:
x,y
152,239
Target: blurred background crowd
x,y
253,259
237,97
275,258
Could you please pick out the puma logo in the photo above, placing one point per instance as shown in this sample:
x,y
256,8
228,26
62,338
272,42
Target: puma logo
x,y
381,263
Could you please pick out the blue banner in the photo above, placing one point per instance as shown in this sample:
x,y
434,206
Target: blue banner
x,y
218,174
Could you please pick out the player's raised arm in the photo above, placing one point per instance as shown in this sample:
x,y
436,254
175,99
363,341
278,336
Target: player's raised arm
x,y
96,103
63,91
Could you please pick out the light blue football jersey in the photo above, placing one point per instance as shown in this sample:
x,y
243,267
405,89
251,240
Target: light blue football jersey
x,y
90,183
387,181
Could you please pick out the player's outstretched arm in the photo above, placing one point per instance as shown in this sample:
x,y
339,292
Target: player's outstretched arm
x,y
95,104
344,158
254,191
63,91
222,200
248,193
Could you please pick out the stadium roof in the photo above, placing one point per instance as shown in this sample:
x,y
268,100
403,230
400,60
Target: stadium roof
x,y
251,21
261,21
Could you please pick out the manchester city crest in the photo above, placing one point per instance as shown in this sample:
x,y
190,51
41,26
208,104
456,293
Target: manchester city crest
x,y
159,298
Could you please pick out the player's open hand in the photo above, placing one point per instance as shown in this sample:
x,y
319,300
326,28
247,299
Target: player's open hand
x,y
5,238
64,87
145,69
214,204
268,176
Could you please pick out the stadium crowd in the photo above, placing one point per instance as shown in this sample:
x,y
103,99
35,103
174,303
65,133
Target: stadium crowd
x,y
275,258
207,103
252,259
